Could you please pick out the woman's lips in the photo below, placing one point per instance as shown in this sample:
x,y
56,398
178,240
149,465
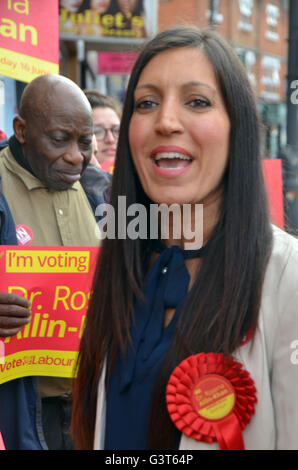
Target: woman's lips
x,y
109,151
171,161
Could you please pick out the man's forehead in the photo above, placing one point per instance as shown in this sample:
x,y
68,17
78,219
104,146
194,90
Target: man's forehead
x,y
71,125
54,95
59,100
62,113
68,124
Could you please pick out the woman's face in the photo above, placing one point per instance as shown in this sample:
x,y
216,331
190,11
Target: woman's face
x,y
71,5
100,5
107,121
127,5
179,130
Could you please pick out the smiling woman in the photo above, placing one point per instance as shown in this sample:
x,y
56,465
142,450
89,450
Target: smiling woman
x,y
169,327
106,120
179,131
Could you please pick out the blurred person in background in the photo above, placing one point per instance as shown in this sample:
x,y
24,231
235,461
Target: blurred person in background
x,y
106,121
94,161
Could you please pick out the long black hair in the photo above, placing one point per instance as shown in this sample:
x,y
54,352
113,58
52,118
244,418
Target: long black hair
x,y
224,301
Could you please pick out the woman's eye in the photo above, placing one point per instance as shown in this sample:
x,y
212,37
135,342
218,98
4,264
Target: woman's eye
x,y
198,103
145,104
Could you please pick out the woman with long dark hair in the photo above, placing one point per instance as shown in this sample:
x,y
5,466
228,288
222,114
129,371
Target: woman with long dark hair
x,y
190,348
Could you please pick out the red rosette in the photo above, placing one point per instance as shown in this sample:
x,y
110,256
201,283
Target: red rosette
x,y
210,397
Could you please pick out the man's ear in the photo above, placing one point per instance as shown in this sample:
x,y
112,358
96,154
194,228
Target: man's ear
x,y
19,127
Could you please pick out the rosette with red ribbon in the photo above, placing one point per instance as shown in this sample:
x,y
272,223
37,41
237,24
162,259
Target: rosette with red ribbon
x,y
210,397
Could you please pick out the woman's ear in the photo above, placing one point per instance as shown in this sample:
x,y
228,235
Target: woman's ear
x,y
19,127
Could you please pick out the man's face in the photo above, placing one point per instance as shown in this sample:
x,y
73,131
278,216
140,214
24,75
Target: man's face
x,y
58,144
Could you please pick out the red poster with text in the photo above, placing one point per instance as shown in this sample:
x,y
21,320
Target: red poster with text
x,y
29,38
2,446
107,166
272,171
57,281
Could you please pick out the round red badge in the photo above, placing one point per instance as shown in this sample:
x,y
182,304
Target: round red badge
x,y
24,235
211,398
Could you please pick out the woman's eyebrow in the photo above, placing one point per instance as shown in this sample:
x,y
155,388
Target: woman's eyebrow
x,y
192,83
146,85
197,83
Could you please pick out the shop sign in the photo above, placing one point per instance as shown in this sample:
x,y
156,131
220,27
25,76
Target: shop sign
x,y
120,63
110,18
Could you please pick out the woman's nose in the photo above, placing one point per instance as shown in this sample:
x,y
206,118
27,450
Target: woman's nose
x,y
168,119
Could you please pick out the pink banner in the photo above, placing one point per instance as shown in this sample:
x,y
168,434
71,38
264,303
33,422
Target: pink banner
x,y
116,62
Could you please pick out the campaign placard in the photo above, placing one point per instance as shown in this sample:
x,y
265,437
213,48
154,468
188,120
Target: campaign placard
x,y
272,171
2,446
57,281
107,166
29,38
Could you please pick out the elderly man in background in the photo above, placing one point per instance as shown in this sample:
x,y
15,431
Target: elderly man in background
x,y
42,197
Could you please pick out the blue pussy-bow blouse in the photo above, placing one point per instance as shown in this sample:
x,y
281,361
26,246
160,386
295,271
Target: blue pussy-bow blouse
x,y
131,384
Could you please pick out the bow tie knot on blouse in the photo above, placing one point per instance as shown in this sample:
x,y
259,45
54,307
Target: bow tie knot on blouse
x,y
165,286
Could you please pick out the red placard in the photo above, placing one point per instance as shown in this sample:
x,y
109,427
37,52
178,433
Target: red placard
x,y
29,38
107,166
57,281
2,446
272,171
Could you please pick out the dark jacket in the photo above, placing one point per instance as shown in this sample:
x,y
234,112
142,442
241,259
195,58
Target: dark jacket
x,y
20,403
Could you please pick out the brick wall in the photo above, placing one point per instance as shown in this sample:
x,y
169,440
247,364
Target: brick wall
x,y
256,35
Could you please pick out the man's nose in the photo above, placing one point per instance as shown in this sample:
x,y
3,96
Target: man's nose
x,y
74,154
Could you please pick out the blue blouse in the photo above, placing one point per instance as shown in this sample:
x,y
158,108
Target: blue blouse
x,y
131,384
